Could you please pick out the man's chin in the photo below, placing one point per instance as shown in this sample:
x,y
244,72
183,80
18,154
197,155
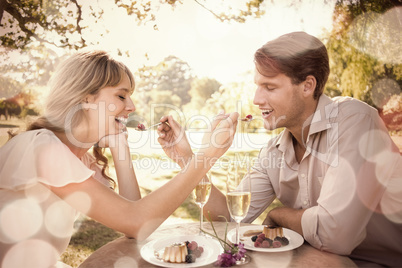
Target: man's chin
x,y
270,126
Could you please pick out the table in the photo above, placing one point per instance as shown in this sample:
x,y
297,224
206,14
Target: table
x,y
124,252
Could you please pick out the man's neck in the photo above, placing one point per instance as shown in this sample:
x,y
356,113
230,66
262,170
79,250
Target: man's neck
x,y
300,131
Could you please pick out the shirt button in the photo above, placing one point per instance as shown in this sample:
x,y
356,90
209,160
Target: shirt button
x,y
305,202
303,175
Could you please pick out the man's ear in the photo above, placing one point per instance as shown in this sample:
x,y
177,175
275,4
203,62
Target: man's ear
x,y
309,85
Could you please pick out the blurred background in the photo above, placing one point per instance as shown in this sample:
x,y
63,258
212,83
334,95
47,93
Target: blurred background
x,y
192,58
196,56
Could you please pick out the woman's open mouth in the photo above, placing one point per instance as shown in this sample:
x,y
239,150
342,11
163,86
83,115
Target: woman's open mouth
x,y
121,120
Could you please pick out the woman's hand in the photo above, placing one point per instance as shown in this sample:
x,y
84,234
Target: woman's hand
x,y
174,141
219,137
112,141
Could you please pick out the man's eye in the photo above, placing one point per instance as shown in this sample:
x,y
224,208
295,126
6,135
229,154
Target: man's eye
x,y
122,97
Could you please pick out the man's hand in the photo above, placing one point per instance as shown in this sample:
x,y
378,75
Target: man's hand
x,y
286,217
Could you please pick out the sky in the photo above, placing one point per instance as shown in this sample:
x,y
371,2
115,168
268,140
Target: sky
x,y
213,49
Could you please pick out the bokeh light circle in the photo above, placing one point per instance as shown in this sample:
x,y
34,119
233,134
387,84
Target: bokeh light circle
x,y
55,219
382,90
31,253
124,262
20,219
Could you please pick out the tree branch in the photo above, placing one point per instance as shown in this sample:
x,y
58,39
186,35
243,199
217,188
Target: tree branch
x,y
2,7
210,11
79,18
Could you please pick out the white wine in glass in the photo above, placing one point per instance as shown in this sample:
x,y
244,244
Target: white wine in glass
x,y
238,204
238,196
201,195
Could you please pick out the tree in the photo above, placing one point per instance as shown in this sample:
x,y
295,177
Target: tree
x,y
201,90
163,88
33,67
9,87
62,23
235,96
364,48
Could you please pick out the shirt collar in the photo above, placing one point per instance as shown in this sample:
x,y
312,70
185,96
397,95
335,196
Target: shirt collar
x,y
324,113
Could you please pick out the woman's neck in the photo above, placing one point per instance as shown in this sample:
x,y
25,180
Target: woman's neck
x,y
76,147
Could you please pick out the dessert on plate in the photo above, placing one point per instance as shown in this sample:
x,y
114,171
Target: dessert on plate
x,y
182,252
270,237
175,253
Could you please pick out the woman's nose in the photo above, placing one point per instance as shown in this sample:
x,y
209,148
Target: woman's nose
x,y
130,106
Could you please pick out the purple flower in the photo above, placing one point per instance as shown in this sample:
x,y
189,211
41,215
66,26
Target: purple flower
x,y
232,252
225,260
238,251
242,250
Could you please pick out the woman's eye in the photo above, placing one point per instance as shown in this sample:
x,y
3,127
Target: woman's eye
x,y
122,97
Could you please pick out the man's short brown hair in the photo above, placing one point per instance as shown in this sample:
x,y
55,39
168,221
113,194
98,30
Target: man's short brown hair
x,y
296,55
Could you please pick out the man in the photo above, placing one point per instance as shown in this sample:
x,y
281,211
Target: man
x,y
334,166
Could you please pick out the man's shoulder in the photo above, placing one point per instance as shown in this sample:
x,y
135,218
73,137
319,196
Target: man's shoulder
x,y
350,106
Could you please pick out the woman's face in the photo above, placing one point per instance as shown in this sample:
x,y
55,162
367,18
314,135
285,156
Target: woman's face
x,y
109,109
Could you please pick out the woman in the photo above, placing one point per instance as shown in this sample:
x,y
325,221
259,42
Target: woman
x,y
47,173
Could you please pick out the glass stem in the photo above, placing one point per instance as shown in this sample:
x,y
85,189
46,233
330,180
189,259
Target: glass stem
x,y
201,218
237,232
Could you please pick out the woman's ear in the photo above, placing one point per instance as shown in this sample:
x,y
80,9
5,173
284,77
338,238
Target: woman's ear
x,y
87,102
309,85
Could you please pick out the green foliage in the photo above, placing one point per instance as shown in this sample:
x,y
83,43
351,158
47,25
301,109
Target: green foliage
x,y
31,67
235,96
201,90
364,48
9,87
163,88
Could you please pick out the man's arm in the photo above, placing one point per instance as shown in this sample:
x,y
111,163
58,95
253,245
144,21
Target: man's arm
x,y
262,193
216,206
286,217
353,186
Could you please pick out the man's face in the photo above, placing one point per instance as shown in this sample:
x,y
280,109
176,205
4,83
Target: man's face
x,y
280,101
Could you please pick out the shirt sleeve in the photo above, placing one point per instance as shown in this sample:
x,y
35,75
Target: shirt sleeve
x,y
262,193
43,158
353,185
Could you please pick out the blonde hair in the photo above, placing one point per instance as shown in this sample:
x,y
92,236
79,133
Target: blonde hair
x,y
82,74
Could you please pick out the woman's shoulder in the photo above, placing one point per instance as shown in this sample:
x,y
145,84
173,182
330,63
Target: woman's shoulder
x,y
36,135
39,155
31,139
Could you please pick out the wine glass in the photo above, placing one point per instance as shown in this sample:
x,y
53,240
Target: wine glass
x,y
238,195
201,194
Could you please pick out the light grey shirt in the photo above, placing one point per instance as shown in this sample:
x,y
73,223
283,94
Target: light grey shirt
x,y
349,180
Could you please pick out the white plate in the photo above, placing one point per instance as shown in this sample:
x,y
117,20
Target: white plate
x,y
295,240
212,249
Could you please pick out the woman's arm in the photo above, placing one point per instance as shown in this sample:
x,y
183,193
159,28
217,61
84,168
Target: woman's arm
x,y
140,218
126,179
